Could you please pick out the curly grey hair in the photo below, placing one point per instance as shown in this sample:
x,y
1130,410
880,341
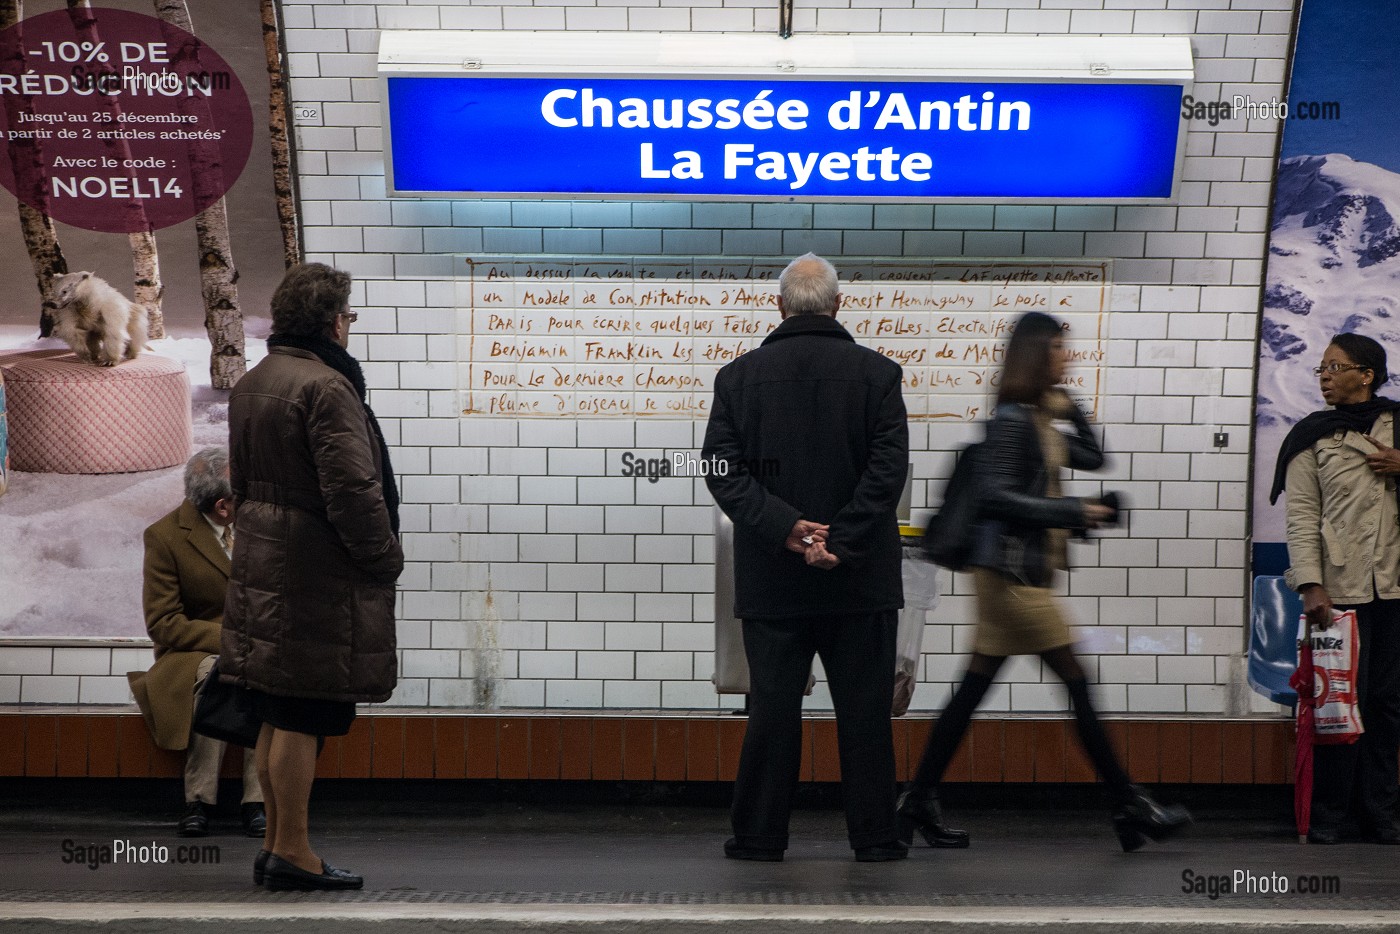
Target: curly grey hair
x,y
308,299
206,478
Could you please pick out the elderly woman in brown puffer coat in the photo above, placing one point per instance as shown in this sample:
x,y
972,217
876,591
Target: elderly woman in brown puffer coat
x,y
309,618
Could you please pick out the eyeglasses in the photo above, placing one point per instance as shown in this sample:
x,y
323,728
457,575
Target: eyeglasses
x,y
1335,368
351,316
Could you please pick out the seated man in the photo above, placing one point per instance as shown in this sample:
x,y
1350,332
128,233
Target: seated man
x,y
186,574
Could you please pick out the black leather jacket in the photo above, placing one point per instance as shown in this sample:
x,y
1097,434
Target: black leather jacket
x,y
1011,483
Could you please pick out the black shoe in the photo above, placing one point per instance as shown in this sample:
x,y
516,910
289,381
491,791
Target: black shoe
x,y
195,822
733,850
918,809
1324,836
1140,817
260,866
280,875
882,853
254,819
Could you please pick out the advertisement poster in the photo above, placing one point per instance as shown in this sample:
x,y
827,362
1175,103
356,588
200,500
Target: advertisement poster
x,y
1334,248
140,241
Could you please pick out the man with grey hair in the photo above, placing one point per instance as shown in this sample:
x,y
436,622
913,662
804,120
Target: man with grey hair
x,y
185,577
816,556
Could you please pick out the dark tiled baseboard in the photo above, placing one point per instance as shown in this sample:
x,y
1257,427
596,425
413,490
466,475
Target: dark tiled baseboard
x,y
669,747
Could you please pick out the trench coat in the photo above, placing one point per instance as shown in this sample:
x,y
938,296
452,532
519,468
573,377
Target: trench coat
x,y
184,580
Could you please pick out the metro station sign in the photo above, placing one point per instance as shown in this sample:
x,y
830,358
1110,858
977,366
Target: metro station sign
x,y
518,115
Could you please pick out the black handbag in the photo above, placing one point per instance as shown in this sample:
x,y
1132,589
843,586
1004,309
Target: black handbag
x,y
950,537
224,711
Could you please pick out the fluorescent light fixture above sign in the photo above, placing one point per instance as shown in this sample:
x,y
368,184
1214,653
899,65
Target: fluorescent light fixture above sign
x,y
758,118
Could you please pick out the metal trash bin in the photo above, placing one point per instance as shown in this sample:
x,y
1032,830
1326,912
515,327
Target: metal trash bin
x,y
731,665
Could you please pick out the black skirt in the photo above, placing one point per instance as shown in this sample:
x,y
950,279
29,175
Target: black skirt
x,y
304,714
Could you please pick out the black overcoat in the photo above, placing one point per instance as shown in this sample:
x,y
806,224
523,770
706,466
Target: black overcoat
x,y
811,425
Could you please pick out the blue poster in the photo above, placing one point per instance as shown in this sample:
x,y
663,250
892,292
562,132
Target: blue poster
x,y
1334,245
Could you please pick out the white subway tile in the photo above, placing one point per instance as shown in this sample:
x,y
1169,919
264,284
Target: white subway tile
x,y
49,689
1159,698
549,664
576,635
571,693
633,694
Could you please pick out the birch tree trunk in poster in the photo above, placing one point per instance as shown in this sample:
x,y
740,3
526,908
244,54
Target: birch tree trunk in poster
x,y
27,157
223,319
145,259
283,177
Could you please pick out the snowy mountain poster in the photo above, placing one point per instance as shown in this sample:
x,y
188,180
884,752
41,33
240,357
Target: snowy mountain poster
x,y
1334,250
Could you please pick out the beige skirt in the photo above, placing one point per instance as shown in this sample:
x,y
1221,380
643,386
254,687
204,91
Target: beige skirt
x,y
1013,619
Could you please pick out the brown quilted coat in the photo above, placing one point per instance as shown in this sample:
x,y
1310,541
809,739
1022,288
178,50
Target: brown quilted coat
x,y
310,609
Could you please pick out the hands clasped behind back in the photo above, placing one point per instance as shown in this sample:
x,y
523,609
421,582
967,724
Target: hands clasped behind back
x,y
808,539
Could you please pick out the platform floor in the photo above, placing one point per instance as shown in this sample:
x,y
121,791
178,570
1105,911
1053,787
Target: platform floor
x,y
503,867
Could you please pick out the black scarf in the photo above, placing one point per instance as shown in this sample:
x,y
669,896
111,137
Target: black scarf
x,y
1358,416
338,358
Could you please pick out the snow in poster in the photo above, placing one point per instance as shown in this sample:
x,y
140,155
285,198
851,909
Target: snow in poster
x,y
1334,248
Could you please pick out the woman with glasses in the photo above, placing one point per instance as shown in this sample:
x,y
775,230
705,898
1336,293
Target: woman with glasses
x,y
1023,526
1338,466
309,616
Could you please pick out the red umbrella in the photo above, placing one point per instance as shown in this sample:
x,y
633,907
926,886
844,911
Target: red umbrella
x,y
1302,682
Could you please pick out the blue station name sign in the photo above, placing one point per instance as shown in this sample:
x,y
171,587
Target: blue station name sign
x,y
770,137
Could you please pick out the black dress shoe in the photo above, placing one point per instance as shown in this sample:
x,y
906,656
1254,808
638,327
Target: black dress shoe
x,y
195,822
1141,817
882,853
733,850
280,875
254,819
918,809
1324,836
260,866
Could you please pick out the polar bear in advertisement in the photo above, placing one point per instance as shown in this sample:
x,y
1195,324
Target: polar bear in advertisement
x,y
101,324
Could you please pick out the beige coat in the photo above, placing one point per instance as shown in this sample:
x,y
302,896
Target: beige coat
x,y
1343,522
184,582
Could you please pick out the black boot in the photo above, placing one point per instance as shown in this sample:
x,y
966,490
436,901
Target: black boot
x,y
918,809
1140,817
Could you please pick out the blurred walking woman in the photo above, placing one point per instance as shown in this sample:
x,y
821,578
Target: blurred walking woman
x,y
309,618
1339,467
1020,543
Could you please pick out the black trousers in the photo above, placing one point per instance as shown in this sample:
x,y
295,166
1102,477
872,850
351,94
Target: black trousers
x,y
857,653
1364,773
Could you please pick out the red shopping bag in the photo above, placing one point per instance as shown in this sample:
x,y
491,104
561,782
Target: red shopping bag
x,y
1335,652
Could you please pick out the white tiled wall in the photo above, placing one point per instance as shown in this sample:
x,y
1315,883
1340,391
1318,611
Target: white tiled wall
x,y
69,674
538,577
